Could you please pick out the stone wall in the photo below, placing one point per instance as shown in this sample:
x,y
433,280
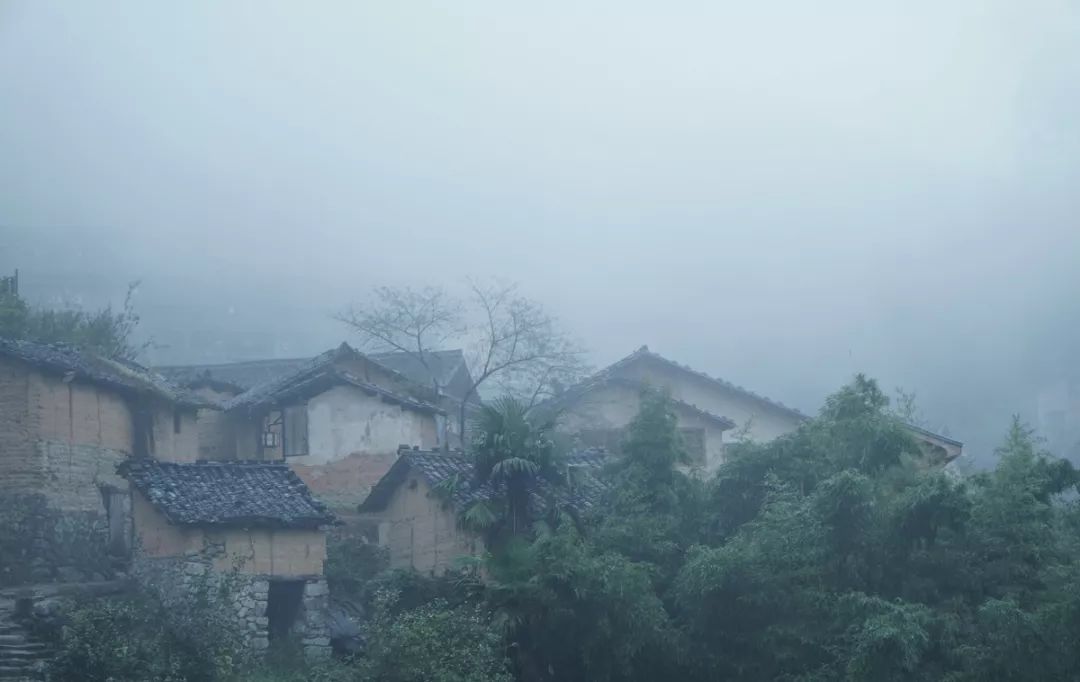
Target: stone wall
x,y
247,597
39,544
174,560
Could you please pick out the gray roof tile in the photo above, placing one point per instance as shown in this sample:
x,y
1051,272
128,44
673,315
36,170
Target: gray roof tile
x,y
455,469
266,494
121,375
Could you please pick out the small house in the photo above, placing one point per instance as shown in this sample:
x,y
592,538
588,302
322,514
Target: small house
x,y
337,420
418,505
254,521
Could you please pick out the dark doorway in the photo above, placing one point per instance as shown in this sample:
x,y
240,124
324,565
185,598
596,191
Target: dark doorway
x,y
283,607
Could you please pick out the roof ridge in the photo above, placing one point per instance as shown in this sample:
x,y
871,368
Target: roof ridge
x,y
644,351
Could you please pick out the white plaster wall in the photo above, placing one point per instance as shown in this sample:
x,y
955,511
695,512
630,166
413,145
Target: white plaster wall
x,y
766,423
615,406
344,420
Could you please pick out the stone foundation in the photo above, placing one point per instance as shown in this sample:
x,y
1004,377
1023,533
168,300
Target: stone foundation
x,y
249,594
39,544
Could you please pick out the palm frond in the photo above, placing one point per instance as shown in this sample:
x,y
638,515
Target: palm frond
x,y
479,516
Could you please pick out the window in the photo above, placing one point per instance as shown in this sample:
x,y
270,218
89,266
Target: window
x,y
694,443
143,423
295,430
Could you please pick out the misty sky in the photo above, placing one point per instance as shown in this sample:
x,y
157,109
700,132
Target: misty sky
x,y
778,193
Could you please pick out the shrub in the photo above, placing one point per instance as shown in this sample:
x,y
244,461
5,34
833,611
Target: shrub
x,y
351,562
140,637
435,642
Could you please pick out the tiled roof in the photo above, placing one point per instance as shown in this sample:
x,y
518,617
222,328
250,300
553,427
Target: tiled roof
x,y
579,493
248,494
121,375
241,376
444,365
920,431
644,352
317,375
237,376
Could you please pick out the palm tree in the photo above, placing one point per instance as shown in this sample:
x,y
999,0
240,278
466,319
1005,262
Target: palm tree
x,y
510,453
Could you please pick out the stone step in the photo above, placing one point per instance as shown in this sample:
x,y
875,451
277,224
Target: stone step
x,y
28,652
19,672
28,645
18,638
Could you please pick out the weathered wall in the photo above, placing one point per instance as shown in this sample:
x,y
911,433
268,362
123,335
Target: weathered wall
x,y
281,553
353,439
173,559
766,422
343,484
80,414
615,406
20,463
176,434
155,537
217,435
82,433
247,434
345,420
421,532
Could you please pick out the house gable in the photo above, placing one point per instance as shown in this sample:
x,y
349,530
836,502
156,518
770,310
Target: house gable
x,y
761,418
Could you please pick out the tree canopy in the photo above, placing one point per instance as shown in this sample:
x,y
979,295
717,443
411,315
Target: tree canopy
x,y
834,553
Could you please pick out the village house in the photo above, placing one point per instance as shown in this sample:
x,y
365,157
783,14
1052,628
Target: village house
x,y
254,522
221,382
337,419
68,418
418,505
712,412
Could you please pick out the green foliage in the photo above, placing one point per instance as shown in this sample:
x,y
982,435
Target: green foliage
x,y
434,642
351,561
140,637
652,512
510,452
833,554
105,331
36,542
575,612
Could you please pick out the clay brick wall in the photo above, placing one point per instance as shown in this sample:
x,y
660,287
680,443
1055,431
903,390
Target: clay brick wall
x,y
216,432
79,414
279,553
80,433
20,467
422,533
176,434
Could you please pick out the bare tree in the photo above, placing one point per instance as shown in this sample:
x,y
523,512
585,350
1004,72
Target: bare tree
x,y
510,341
406,320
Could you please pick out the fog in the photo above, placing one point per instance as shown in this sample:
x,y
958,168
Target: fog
x,y
778,193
